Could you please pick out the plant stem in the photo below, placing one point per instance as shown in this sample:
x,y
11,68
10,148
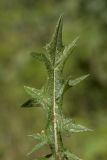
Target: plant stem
x,y
55,119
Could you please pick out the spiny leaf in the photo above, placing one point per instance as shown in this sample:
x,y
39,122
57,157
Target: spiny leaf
x,y
33,92
42,158
37,147
40,137
47,157
30,103
77,128
43,138
70,156
66,52
50,158
69,83
51,95
38,96
43,58
72,82
66,126
56,42
77,80
60,90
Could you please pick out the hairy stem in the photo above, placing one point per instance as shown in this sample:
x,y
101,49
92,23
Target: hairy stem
x,y
55,119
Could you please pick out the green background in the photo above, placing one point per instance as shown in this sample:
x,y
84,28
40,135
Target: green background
x,y
27,25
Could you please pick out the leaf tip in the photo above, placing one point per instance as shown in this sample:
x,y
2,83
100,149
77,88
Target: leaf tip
x,y
61,17
25,87
86,76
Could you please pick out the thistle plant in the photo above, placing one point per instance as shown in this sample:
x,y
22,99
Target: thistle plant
x,y
50,98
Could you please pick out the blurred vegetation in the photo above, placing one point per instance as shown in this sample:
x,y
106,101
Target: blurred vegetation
x,y
25,26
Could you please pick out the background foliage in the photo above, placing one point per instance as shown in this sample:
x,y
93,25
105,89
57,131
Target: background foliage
x,y
26,26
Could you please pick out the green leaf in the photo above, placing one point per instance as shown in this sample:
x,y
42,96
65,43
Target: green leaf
x,y
77,128
69,83
42,158
60,90
38,95
30,103
42,138
77,80
37,147
43,58
56,42
66,126
50,158
72,82
38,136
70,156
66,52
47,157
50,96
